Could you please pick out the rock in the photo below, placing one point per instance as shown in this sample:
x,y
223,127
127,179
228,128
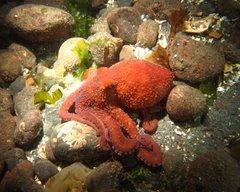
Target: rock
x,y
98,4
106,177
223,118
170,10
1,168
26,57
39,23
24,101
145,7
3,84
17,85
213,171
235,151
7,127
71,178
182,143
148,33
73,141
53,3
230,8
123,3
10,66
45,169
127,52
124,23
234,32
194,61
231,53
28,128
101,25
20,179
203,8
6,102
49,151
105,48
186,103
4,9
3,43
13,157
51,118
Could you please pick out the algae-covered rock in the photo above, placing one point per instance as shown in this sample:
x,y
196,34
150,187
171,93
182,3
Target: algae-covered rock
x,y
73,53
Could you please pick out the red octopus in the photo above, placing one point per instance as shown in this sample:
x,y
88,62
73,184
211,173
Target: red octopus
x,y
101,100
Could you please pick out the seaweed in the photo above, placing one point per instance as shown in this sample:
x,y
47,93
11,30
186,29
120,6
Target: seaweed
x,y
84,17
46,97
139,174
209,88
82,50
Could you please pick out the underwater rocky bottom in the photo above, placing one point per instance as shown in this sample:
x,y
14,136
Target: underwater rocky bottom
x,y
119,96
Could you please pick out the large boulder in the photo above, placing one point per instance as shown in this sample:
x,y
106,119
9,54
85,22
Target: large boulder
x,y
223,117
194,61
39,23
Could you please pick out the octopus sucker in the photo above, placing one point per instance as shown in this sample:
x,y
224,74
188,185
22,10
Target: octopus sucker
x,y
101,101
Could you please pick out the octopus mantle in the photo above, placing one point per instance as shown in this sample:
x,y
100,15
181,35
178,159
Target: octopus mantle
x,y
101,102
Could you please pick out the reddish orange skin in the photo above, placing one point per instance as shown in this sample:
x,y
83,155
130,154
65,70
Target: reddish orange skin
x,y
99,102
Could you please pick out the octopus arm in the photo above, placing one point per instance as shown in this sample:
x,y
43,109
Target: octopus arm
x,y
149,151
84,116
127,123
120,143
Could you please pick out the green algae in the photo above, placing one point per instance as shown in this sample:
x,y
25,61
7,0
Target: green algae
x,y
84,18
139,174
82,50
209,88
46,97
